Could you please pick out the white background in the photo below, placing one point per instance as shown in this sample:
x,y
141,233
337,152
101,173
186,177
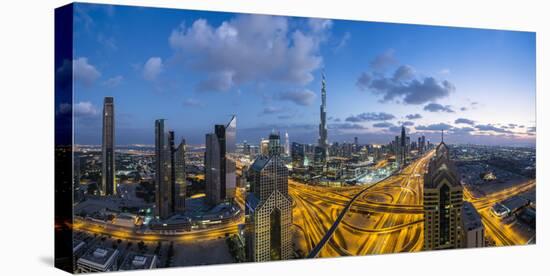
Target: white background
x,y
26,134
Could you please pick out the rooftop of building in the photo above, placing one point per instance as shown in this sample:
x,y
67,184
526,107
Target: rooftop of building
x,y
99,256
78,245
260,162
138,261
515,203
470,217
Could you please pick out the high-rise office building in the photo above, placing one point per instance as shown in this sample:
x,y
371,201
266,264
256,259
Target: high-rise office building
x,y
108,186
212,169
323,134
163,170
442,202
403,146
169,172
180,176
297,154
269,208
220,175
287,145
264,146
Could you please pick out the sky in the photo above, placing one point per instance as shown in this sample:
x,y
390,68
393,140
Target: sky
x,y
196,69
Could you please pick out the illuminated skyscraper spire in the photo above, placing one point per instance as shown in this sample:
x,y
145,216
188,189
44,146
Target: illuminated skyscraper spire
x,y
323,139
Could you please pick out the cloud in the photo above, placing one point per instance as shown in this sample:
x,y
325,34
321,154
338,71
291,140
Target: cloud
x,y
413,116
462,130
80,109
113,82
152,68
532,129
347,126
464,121
271,110
473,106
343,42
84,72
319,25
434,127
363,81
403,86
304,98
406,123
383,60
490,127
403,73
383,125
435,107
445,71
189,102
370,116
219,81
107,42
250,48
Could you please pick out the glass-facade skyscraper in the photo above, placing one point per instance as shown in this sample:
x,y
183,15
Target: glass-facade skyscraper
x,y
108,186
220,175
268,208
443,200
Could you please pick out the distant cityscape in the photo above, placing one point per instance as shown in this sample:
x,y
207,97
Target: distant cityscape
x,y
173,204
213,151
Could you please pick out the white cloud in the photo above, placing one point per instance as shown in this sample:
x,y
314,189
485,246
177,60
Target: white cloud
x,y
249,48
114,81
80,109
305,97
84,72
190,102
152,68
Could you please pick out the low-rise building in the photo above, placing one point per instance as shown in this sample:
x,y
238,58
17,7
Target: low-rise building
x,y
135,261
472,228
98,259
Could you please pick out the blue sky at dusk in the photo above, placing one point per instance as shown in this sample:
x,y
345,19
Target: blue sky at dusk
x,y
196,69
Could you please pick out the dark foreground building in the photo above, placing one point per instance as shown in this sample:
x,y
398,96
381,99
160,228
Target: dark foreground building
x,y
108,148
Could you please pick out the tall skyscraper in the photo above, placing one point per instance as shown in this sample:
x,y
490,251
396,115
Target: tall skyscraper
x,y
403,147
442,202
212,169
323,134
287,144
297,154
220,175
108,148
163,171
268,208
264,146
180,183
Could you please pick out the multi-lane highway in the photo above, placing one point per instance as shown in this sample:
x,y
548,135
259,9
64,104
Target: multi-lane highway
x,y
338,221
497,229
386,217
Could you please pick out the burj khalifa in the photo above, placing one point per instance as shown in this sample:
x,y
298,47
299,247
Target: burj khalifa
x,y
323,139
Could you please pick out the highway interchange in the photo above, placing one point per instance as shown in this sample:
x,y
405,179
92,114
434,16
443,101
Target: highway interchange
x,y
382,218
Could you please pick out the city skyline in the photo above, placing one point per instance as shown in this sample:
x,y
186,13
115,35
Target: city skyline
x,y
353,138
478,84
